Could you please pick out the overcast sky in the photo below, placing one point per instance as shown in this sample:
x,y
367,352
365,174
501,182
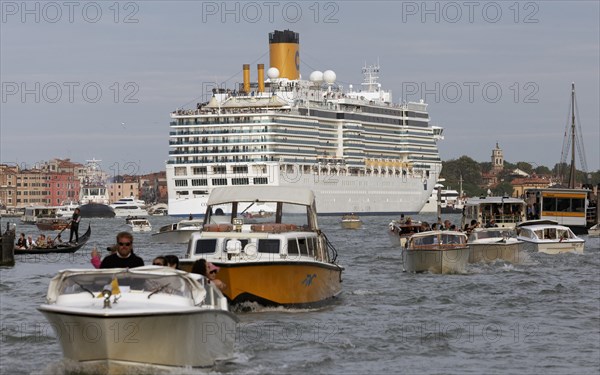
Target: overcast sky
x,y
86,80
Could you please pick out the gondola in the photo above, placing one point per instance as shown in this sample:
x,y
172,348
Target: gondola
x,y
60,248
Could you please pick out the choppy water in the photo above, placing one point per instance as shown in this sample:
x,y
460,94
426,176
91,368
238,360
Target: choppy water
x,y
541,317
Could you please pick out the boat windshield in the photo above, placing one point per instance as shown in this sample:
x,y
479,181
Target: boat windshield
x,y
125,282
259,213
496,233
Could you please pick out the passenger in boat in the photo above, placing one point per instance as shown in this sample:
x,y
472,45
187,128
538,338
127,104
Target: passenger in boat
x,y
425,226
159,261
208,270
30,242
191,217
75,219
41,241
96,260
22,242
434,226
124,257
172,261
49,242
491,224
447,225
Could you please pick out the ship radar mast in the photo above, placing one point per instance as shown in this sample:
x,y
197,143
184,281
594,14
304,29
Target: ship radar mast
x,y
371,75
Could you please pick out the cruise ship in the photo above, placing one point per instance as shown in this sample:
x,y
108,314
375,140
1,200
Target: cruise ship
x,y
355,149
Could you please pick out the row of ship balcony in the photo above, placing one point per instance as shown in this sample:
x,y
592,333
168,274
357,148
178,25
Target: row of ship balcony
x,y
298,150
357,160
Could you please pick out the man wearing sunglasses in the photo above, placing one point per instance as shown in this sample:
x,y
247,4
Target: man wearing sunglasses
x,y
124,256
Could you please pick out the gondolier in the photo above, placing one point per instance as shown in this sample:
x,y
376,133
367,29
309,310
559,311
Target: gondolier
x,y
75,225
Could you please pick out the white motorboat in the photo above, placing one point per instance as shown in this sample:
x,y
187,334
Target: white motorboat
x,y
147,315
351,221
139,225
399,231
129,209
436,252
67,209
179,232
490,244
594,231
546,236
282,259
129,200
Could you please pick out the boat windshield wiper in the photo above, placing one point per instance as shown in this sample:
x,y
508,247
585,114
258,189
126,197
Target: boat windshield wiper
x,y
246,209
84,288
160,288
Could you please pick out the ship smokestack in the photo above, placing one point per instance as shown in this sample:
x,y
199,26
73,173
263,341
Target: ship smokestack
x,y
261,77
284,52
247,78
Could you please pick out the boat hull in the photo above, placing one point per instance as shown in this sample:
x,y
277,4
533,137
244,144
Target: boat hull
x,y
555,247
209,335
52,224
96,210
351,224
377,195
445,261
298,284
512,252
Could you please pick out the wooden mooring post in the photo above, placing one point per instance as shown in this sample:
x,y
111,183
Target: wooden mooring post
x,y
7,257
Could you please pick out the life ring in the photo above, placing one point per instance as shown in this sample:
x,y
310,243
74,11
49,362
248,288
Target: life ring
x,y
217,227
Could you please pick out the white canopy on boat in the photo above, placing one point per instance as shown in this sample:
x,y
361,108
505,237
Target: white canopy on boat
x,y
285,194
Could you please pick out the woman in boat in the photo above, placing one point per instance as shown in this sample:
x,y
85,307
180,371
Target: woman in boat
x,y
172,261
208,270
159,261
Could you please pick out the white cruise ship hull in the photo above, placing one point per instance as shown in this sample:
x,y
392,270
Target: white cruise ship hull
x,y
342,194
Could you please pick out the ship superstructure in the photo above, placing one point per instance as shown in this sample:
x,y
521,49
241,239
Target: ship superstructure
x,y
355,149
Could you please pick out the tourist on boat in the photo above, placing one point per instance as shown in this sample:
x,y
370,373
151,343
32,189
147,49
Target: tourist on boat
x,y
75,219
172,261
208,270
124,256
49,242
159,261
447,225
41,241
30,242
425,226
491,224
22,242
96,260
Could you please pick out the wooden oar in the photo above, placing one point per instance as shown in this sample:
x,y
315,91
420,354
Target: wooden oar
x,y
68,226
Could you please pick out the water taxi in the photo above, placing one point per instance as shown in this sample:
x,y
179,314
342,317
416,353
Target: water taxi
x,y
440,252
546,236
506,212
351,221
284,259
491,244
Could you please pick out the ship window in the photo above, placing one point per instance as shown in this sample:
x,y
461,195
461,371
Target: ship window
x,y
240,169
303,247
200,182
206,246
180,171
260,181
578,205
199,170
181,183
239,181
268,246
293,247
220,169
183,192
219,181
199,192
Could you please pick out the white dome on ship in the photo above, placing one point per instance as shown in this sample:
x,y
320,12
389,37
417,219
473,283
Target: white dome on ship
x,y
273,73
329,76
316,76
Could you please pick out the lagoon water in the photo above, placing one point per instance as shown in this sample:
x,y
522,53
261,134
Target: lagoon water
x,y
539,317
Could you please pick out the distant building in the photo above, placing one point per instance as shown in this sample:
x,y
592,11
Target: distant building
x,y
522,184
8,186
497,160
124,186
